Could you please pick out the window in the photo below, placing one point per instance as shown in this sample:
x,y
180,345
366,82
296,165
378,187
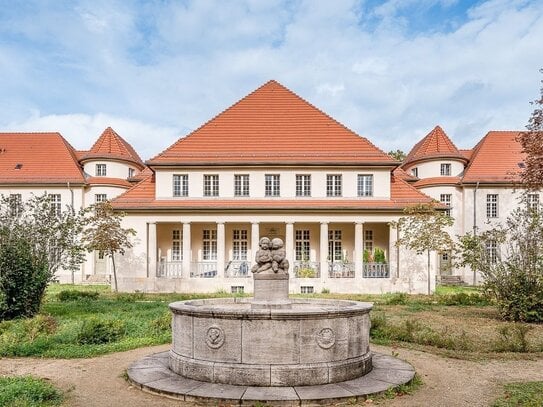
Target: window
x,y
306,289
492,251
446,170
177,253
211,185
180,185
302,245
131,172
533,202
368,241
446,199
98,198
237,289
101,170
209,240
303,185
365,185
272,185
415,172
241,185
15,204
333,185
56,206
239,244
492,205
335,250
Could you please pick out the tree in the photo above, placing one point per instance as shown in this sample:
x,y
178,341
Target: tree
x,y
45,237
105,234
532,145
423,230
397,154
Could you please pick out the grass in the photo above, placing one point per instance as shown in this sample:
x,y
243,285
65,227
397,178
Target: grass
x,y
27,391
528,394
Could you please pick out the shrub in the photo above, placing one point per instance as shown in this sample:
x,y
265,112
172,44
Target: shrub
x,y
28,391
513,338
367,257
325,291
23,279
40,325
75,295
306,272
397,299
379,255
161,325
462,299
96,331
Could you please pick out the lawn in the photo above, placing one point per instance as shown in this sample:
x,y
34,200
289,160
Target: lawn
x,y
84,321
529,394
27,391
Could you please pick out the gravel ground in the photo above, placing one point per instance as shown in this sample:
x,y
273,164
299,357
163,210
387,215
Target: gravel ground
x,y
447,382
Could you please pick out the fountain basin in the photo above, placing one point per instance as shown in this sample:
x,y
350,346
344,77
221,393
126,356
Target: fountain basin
x,y
310,343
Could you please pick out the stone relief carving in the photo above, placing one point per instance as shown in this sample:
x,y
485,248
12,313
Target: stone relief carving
x,y
214,337
271,257
326,338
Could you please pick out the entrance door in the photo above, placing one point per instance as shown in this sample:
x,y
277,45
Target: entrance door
x,y
99,262
445,264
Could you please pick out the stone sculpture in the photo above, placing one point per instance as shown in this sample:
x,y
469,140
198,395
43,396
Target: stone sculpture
x,y
271,257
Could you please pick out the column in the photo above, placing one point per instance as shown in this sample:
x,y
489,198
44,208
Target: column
x,y
220,249
187,249
324,250
393,252
151,250
289,245
358,249
255,237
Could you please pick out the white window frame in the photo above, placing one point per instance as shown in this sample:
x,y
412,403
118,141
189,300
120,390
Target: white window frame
x,y
368,240
445,170
533,201
180,185
303,185
131,172
302,244
415,172
492,201
101,170
335,245
334,185
211,185
365,184
492,252
56,203
272,185
177,244
99,198
209,244
447,200
239,244
15,204
241,184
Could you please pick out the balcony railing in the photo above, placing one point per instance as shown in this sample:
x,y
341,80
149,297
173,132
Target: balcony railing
x,y
170,269
376,270
340,269
203,269
237,268
306,269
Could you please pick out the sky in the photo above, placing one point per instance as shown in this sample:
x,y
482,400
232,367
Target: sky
x,y
156,70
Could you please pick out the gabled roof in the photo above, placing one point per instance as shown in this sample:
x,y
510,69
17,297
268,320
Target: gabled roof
x,y
41,158
272,125
497,158
142,197
436,144
111,145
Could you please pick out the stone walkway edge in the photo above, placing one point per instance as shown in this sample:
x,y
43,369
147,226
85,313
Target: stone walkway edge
x,y
153,375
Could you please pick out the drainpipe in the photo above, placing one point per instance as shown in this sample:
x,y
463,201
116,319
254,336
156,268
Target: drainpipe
x,y
475,224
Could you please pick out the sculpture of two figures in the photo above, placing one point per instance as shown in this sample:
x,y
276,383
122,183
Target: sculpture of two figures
x,y
271,257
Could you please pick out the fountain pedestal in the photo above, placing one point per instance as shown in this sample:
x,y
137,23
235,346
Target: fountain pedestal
x,y
271,291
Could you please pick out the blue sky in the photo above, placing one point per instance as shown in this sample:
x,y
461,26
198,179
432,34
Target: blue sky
x,y
154,70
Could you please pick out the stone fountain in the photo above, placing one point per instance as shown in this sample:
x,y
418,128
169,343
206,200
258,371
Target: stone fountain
x,y
269,347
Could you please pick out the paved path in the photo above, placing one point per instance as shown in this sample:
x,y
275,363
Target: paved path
x,y
447,382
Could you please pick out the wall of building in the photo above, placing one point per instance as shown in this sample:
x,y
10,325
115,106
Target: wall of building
x,y
114,169
432,168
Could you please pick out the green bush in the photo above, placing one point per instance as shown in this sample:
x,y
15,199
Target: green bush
x,y
23,279
379,256
397,299
367,257
306,273
513,338
28,391
40,325
75,295
96,331
161,325
462,298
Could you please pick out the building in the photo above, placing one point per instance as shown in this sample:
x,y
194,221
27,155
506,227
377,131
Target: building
x,y
270,165
38,163
480,186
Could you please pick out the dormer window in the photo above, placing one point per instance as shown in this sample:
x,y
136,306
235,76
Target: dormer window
x,y
445,170
101,170
131,172
415,172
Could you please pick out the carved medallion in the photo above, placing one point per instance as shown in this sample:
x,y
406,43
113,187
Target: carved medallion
x,y
326,338
214,337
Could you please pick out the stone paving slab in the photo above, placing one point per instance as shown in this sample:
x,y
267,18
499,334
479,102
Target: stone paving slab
x,y
152,374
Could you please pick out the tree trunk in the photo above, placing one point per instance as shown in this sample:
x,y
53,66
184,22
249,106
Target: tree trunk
x,y
429,283
114,272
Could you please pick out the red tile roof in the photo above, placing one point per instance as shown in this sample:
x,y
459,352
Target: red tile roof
x,y
44,158
109,181
436,144
111,145
466,153
425,182
272,125
402,174
141,197
495,158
